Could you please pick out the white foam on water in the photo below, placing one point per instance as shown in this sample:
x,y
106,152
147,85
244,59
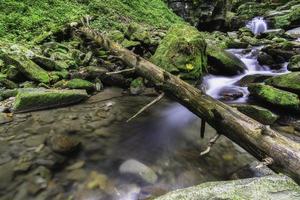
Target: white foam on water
x,y
257,25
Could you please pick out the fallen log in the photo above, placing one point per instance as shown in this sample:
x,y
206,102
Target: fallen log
x,y
261,141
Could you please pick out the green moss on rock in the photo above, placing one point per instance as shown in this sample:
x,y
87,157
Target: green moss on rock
x,y
183,51
258,113
76,84
223,62
48,63
275,96
37,99
27,67
290,82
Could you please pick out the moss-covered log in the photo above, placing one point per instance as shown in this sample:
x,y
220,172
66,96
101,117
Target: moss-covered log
x,y
256,138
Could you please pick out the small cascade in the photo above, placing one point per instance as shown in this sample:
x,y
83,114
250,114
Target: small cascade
x,y
257,25
216,86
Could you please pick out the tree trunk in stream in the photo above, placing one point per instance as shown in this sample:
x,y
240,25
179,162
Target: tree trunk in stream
x,y
259,140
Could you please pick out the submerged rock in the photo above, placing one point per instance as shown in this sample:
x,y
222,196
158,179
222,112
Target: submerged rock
x,y
31,70
138,169
182,51
258,113
63,143
223,62
269,187
294,64
137,86
31,100
275,96
290,82
251,170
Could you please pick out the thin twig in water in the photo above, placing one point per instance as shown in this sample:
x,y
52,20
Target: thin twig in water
x,y
121,71
211,143
147,106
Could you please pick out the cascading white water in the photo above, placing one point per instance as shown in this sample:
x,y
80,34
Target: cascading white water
x,y
257,25
216,85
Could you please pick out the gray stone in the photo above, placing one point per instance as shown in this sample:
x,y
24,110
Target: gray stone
x,y
273,187
294,33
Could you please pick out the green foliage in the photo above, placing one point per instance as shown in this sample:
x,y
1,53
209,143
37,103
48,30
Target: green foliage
x,y
284,21
28,20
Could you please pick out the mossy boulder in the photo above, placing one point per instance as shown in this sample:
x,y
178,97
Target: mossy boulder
x,y
223,62
274,96
27,67
269,187
258,113
76,84
37,99
294,64
137,86
182,51
290,82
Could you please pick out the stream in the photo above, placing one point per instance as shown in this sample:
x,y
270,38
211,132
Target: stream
x,y
156,153
216,86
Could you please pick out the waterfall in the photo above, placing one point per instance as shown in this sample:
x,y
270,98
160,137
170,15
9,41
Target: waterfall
x,y
257,25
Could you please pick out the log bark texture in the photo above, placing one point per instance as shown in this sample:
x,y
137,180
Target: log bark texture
x,y
259,140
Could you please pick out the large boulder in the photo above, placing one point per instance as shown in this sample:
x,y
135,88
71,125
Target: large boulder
x,y
274,96
290,82
182,51
269,187
37,99
223,62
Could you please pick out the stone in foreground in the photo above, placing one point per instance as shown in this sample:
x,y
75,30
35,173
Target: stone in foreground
x,y
31,100
275,96
182,51
269,188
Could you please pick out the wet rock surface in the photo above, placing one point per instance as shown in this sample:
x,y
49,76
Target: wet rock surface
x,y
269,187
